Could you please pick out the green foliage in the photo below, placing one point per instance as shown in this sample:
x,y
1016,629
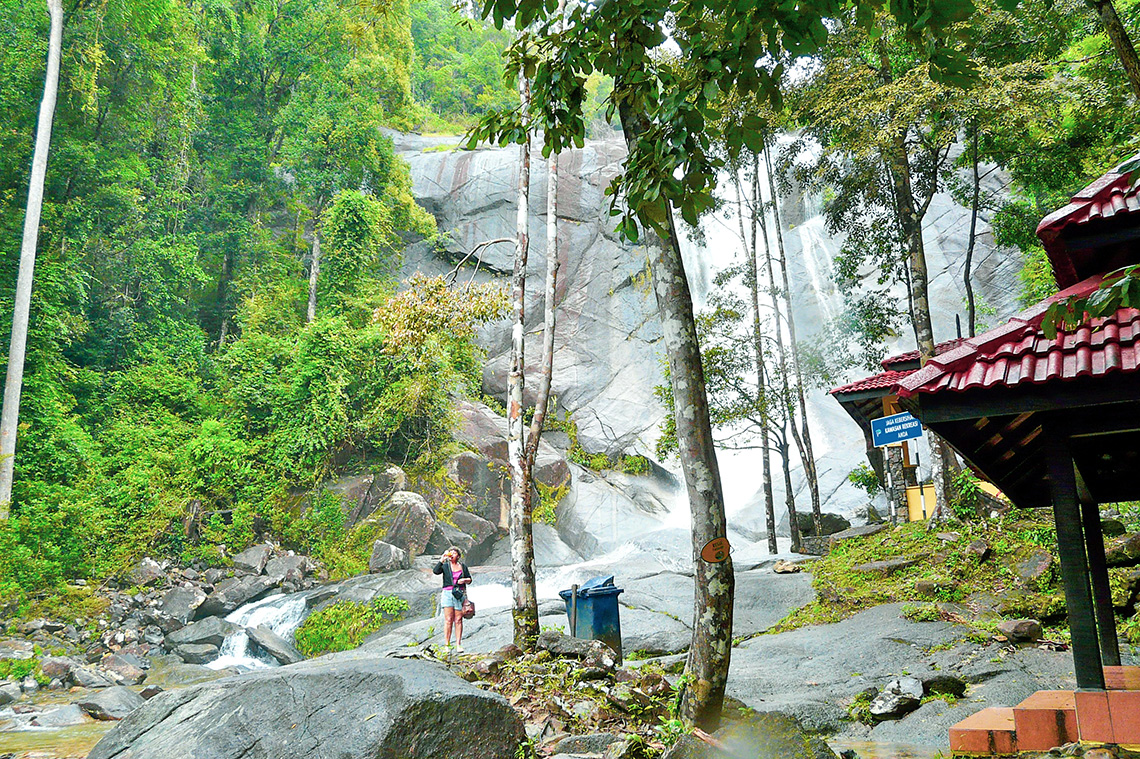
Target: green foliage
x,y
864,478
457,72
966,498
921,612
957,574
345,624
549,498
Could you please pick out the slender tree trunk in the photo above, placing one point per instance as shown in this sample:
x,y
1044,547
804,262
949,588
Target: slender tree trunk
x,y
967,271
10,416
910,222
788,417
525,611
314,271
803,437
752,280
1116,32
789,499
711,648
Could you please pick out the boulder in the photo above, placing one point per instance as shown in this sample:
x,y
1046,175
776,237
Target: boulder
x,y
763,735
1020,630
128,671
89,678
146,572
273,644
1112,528
253,559
900,697
486,484
360,495
180,604
295,568
64,716
593,743
483,534
112,703
412,522
367,706
1123,551
593,653
784,567
9,692
858,532
196,653
445,536
979,548
211,630
57,667
1036,569
230,594
885,567
17,649
387,557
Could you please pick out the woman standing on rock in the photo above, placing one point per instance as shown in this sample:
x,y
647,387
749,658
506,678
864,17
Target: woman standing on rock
x,y
456,578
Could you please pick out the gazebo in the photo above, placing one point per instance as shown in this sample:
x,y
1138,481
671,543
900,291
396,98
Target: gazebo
x,y
1055,422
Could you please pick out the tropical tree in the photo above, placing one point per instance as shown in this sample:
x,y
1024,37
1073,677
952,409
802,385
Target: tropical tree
x,y
10,416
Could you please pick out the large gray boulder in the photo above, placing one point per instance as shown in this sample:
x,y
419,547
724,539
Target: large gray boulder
x,y
273,644
229,594
412,522
387,557
253,558
211,630
112,703
179,605
343,705
146,572
361,494
293,568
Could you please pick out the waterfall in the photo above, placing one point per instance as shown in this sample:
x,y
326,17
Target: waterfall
x,y
281,613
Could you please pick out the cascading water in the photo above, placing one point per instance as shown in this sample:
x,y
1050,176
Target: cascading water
x,y
281,613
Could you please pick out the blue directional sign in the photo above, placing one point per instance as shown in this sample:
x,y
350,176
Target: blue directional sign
x,y
895,429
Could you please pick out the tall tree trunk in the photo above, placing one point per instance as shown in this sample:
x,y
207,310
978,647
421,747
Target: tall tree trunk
x,y
788,417
1116,32
802,437
711,648
910,222
314,271
967,270
752,280
10,416
789,498
525,611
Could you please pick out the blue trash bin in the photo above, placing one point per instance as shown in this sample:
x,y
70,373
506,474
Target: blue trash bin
x,y
597,612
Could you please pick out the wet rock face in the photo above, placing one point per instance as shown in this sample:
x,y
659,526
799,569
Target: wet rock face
x,y
368,706
607,365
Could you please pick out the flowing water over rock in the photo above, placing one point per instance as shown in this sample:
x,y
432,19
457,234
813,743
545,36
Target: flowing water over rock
x,y
281,613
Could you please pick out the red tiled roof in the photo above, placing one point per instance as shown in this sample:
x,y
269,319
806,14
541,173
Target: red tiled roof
x,y
1108,203
903,358
1019,353
877,382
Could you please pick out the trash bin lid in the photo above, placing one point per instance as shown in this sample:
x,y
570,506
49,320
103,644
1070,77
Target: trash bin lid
x,y
595,582
595,586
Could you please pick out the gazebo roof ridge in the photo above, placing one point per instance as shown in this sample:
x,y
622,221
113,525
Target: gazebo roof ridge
x,y
1026,324
1085,236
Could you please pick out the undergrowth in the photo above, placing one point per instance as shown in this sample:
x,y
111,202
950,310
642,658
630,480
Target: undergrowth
x,y
345,624
954,574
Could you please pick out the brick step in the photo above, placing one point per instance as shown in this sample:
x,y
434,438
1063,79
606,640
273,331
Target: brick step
x,y
1122,678
1045,720
990,732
